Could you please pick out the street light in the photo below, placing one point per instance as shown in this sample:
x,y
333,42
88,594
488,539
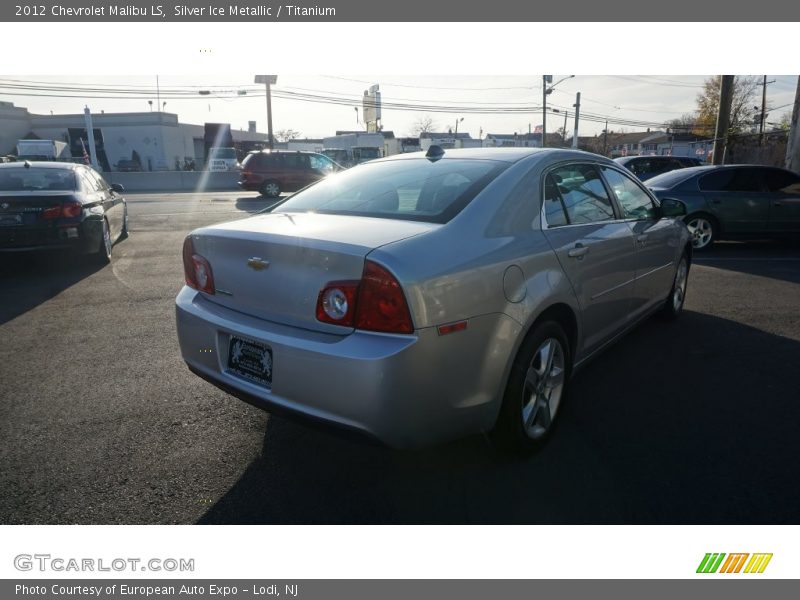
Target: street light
x,y
457,122
268,80
546,91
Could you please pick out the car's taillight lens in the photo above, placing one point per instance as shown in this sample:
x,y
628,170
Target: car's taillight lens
x,y
65,210
337,303
376,303
196,269
381,305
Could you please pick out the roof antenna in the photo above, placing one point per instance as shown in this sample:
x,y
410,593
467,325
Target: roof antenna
x,y
434,153
27,164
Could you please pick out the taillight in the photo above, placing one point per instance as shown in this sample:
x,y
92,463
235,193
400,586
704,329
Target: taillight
x,y
65,210
196,269
376,303
381,305
337,303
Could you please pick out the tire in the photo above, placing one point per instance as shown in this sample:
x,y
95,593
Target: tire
x,y
271,189
673,305
103,254
125,227
532,400
703,229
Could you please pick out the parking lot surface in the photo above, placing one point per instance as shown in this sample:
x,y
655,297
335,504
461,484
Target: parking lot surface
x,y
100,421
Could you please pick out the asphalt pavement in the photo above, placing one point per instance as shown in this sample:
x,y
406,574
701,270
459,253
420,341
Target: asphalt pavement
x,y
687,422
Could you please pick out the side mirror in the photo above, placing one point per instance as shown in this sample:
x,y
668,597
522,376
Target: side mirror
x,y
117,188
672,208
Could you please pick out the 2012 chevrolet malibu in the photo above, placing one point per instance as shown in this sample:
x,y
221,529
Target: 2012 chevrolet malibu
x,y
424,297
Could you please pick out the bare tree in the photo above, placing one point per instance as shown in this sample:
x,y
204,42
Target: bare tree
x,y
424,124
284,135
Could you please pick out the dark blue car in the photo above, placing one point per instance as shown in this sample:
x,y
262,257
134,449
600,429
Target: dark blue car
x,y
734,201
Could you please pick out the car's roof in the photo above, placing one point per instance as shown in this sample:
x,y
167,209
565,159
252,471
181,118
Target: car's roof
x,y
44,164
502,154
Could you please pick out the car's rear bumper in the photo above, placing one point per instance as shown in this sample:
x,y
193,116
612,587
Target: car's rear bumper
x,y
81,238
404,390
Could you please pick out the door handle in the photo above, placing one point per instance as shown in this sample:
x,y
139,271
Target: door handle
x,y
578,251
641,239
715,202
777,203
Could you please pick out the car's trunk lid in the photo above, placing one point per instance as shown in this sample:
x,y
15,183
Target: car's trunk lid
x,y
273,266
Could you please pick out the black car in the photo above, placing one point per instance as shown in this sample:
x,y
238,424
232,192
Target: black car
x,y
52,205
734,201
646,167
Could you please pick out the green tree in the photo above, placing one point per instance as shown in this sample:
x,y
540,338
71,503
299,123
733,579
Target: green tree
x,y
744,99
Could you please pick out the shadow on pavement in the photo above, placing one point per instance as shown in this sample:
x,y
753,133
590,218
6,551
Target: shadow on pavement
x,y
774,259
685,422
29,279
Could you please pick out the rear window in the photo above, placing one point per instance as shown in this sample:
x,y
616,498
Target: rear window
x,y
670,179
36,180
410,189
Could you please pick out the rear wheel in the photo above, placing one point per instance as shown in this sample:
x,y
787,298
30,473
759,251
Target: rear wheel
x,y
124,233
103,254
703,230
535,391
673,306
271,189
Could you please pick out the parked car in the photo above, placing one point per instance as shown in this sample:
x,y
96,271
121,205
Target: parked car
x,y
734,201
56,205
272,172
423,297
647,167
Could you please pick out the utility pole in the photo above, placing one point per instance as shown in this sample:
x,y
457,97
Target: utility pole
x,y
268,80
545,80
605,140
723,119
763,110
577,106
564,131
793,146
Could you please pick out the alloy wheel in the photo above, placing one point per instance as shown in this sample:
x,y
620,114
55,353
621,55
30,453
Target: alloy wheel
x,y
702,232
542,391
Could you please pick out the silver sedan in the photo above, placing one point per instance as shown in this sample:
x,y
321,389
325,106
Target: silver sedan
x,y
424,297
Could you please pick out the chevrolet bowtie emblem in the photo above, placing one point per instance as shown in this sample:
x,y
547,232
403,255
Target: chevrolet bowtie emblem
x,y
257,264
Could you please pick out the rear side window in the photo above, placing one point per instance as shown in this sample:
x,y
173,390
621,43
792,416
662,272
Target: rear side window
x,y
778,180
408,189
731,180
554,210
583,194
296,161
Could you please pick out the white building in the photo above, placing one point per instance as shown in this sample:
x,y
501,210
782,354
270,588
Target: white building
x,y
157,139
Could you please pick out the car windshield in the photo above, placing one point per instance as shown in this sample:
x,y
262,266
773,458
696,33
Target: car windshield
x,y
409,189
22,179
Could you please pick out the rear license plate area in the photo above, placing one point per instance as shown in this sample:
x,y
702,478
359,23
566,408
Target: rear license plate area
x,y
250,360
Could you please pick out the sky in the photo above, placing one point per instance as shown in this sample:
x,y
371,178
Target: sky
x,y
236,99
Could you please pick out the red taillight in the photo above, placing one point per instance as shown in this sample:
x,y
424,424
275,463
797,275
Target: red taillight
x,y
381,305
196,269
376,303
337,303
67,210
